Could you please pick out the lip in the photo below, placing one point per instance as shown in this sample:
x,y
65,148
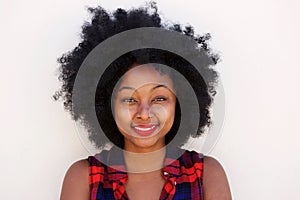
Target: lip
x,y
145,129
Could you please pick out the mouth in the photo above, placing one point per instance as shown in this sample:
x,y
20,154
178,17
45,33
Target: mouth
x,y
145,129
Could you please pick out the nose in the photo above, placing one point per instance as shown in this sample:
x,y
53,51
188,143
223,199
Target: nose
x,y
144,112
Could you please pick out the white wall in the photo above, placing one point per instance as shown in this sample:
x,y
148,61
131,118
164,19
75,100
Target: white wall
x,y
258,42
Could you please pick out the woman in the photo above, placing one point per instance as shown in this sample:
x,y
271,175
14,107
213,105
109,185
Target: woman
x,y
137,106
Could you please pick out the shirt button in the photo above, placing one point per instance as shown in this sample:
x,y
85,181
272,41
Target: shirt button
x,y
166,173
175,183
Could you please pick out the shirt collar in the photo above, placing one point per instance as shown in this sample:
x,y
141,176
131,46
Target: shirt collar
x,y
117,170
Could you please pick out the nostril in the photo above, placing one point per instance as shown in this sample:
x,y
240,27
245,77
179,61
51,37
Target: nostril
x,y
144,112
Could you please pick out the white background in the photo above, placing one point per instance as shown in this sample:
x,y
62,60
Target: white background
x,y
259,45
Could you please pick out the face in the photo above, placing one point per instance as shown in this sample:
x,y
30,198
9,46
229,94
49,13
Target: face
x,y
144,108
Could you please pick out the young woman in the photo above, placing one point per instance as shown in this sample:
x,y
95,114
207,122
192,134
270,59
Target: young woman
x,y
138,109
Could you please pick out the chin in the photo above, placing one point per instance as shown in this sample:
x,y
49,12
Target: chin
x,y
148,143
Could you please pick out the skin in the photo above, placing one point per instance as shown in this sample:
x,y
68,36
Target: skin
x,y
144,101
139,101
215,184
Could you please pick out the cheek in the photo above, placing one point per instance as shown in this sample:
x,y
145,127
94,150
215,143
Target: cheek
x,y
165,113
171,116
171,113
122,115
118,114
122,122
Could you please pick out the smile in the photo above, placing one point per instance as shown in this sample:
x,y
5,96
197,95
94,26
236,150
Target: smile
x,y
145,129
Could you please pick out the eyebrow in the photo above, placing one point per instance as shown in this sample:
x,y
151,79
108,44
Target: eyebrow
x,y
131,88
158,86
126,88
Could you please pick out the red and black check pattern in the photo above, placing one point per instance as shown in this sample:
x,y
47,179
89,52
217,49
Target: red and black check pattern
x,y
183,175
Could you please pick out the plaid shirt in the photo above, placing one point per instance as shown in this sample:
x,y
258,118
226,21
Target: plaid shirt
x,y
183,175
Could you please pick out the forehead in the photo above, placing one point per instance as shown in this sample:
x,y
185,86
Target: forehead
x,y
141,75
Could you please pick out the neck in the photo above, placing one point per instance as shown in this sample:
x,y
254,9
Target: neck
x,y
144,162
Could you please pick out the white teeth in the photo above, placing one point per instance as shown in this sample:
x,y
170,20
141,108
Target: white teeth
x,y
144,129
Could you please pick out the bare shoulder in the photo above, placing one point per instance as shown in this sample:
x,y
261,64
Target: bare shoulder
x,y
75,185
215,183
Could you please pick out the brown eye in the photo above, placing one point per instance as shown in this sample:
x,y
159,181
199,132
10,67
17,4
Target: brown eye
x,y
128,100
159,99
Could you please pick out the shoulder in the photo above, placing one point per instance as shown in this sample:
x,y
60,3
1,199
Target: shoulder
x,y
75,184
215,183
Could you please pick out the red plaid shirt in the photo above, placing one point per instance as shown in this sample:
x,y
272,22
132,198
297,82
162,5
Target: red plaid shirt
x,y
183,172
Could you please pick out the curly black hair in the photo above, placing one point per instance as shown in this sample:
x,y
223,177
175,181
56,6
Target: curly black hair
x,y
104,25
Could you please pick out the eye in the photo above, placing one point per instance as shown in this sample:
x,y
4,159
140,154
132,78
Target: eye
x,y
128,100
159,99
